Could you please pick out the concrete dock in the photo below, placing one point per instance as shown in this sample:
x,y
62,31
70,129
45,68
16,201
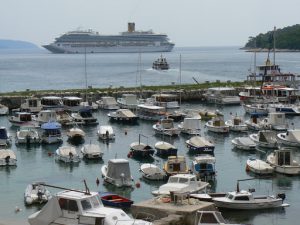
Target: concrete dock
x,y
164,212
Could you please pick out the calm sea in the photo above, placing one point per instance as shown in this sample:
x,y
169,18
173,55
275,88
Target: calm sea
x,y
49,71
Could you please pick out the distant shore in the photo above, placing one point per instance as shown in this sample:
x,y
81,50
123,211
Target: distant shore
x,y
266,50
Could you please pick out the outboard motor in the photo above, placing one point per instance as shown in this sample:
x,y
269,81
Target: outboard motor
x,y
281,195
27,140
7,158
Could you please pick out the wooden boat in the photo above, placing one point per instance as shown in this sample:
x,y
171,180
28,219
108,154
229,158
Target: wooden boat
x,y
259,167
85,117
152,172
244,143
7,158
150,112
141,150
200,145
265,139
115,200
176,165
36,193
254,123
165,149
275,121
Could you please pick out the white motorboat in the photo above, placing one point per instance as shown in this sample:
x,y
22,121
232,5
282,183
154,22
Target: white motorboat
x,y
254,123
259,167
65,119
45,116
265,139
245,200
169,101
36,193
275,121
85,117
236,124
52,102
81,208
51,133
5,138
7,158
243,143
164,149
203,166
76,134
152,172
217,125
181,183
222,95
89,105
190,126
288,109
32,105
150,112
108,102
256,108
289,138
200,145
283,162
92,151
117,172
176,165
128,101
3,110
211,218
123,115
72,103
67,154
166,127
27,135
22,119
106,133
160,64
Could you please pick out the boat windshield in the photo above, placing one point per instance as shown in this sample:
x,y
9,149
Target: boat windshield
x,y
93,202
230,196
173,180
86,204
183,180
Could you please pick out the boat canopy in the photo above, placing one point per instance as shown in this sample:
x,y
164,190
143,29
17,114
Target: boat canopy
x,y
51,126
125,113
293,135
246,141
6,152
118,168
200,141
191,123
67,151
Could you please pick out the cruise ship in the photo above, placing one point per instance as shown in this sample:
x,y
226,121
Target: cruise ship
x,y
128,41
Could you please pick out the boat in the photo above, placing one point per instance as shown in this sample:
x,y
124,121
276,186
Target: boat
x,y
289,138
203,166
51,133
45,116
265,139
36,192
128,101
208,114
176,165
200,145
22,119
85,117
52,102
262,109
67,154
152,172
3,110
81,208
236,124
275,121
92,151
222,95
166,127
115,200
108,102
181,183
210,217
259,167
123,115
80,41
244,143
288,109
76,135
140,149
169,101
282,160
245,200
72,103
150,112
106,133
217,125
7,158
117,172
65,119
89,104
160,64
254,123
190,126
32,105
165,149
5,138
191,113
27,135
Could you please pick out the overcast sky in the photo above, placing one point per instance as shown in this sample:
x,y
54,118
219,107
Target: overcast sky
x,y
187,22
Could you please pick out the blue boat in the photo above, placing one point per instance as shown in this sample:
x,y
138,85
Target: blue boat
x,y
115,200
200,145
51,132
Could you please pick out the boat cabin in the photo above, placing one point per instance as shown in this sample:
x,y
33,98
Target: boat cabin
x,y
283,157
32,105
52,102
176,165
151,112
72,103
169,101
128,101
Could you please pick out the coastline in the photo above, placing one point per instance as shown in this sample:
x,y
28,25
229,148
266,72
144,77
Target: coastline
x,y
266,50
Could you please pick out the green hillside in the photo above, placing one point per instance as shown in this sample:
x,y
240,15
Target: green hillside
x,y
285,38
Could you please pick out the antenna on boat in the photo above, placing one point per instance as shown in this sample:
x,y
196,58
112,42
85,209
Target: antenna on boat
x,y
86,192
238,185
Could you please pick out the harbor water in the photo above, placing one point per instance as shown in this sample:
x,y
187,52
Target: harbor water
x,y
47,71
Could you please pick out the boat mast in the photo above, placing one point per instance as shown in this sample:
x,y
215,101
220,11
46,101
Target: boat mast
x,y
179,79
85,74
274,50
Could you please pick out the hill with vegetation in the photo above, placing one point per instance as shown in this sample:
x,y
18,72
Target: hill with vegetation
x,y
285,38
16,45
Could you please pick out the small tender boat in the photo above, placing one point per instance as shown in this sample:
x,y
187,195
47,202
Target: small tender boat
x,y
51,133
217,125
141,150
166,127
190,126
265,139
92,151
3,110
7,158
22,119
106,133
85,117
36,193
181,183
282,160
108,102
236,124
67,154
203,166
165,149
117,172
259,167
243,143
152,172
200,145
160,64
5,138
27,135
115,200
211,218
76,135
176,165
123,115
289,138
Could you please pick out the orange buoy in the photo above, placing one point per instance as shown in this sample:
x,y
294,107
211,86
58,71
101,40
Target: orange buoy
x,y
138,184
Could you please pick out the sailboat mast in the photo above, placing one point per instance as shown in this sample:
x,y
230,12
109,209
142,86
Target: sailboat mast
x,y
274,50
85,74
180,79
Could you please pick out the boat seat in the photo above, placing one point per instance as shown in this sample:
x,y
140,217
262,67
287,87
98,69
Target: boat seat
x,y
116,200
